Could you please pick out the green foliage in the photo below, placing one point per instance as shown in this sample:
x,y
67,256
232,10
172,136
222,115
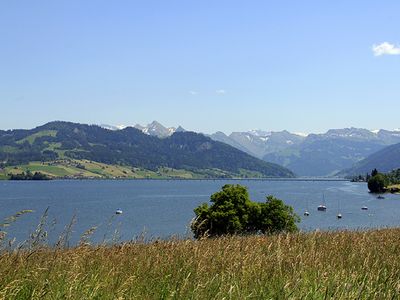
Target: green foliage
x,y
232,212
377,183
393,177
80,166
31,138
29,176
276,216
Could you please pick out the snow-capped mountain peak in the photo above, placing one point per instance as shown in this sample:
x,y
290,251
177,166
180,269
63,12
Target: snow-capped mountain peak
x,y
302,134
113,127
157,129
154,128
257,132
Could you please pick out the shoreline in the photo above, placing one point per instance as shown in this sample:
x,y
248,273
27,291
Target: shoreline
x,y
195,179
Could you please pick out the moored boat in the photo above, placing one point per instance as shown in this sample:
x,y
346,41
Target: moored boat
x,y
322,207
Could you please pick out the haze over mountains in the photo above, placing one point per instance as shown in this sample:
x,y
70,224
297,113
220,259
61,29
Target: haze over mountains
x,y
307,155
326,154
384,160
315,154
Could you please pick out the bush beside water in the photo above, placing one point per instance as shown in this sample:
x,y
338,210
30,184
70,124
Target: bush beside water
x,y
316,265
232,212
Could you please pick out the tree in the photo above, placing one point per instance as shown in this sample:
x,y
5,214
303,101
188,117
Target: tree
x,y
377,183
40,176
232,212
374,172
276,216
29,176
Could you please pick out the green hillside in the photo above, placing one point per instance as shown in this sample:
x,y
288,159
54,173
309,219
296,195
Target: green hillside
x,y
57,147
78,169
75,169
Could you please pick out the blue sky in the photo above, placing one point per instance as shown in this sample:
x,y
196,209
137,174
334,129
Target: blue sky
x,y
304,66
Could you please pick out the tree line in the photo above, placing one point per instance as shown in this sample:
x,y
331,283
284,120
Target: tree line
x,y
379,182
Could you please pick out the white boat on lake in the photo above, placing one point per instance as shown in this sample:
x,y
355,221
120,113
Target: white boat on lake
x,y
322,207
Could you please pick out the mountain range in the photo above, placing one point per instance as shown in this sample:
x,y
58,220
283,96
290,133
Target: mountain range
x,y
259,143
329,153
154,129
323,154
340,152
132,147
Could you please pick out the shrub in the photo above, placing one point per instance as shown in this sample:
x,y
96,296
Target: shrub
x,y
377,183
232,212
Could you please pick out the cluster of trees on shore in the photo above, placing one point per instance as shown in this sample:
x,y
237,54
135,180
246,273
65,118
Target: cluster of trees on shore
x,y
29,176
379,182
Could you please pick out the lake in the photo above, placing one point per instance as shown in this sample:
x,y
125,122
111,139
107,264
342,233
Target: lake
x,y
164,208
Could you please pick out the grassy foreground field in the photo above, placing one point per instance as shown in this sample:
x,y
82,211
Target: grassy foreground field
x,y
319,265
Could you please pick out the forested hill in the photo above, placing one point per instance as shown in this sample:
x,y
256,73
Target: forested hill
x,y
384,160
131,147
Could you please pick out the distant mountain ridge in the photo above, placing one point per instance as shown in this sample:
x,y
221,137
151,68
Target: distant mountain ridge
x,y
337,149
314,154
385,160
154,129
323,154
258,142
130,146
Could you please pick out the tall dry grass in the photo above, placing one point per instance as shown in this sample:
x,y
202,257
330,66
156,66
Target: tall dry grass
x,y
318,265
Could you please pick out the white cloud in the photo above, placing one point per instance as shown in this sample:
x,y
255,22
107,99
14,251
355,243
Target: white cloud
x,y
220,92
193,93
385,49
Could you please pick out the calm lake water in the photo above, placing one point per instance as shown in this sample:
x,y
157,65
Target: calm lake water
x,y
162,208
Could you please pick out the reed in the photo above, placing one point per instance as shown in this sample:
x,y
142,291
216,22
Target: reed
x,y
317,265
